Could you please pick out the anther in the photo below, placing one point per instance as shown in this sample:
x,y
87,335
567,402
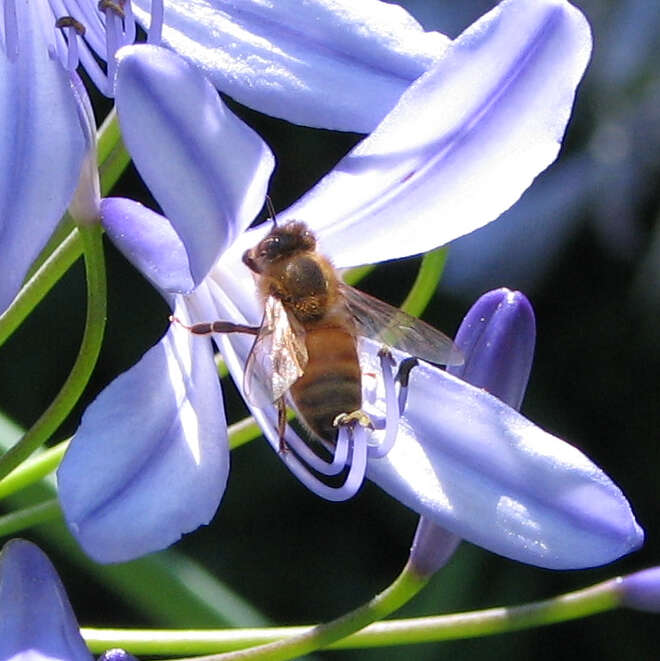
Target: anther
x,y
70,22
403,377
73,29
115,7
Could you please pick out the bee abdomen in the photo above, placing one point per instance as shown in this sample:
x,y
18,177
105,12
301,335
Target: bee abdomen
x,y
331,383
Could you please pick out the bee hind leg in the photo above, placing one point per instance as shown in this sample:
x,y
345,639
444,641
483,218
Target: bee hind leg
x,y
209,327
359,416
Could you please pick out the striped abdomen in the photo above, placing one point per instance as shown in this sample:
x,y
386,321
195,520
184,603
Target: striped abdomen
x,y
332,381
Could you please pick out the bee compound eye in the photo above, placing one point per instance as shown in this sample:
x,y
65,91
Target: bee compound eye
x,y
271,248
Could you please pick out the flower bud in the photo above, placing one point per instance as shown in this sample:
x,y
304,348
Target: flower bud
x,y
497,340
641,590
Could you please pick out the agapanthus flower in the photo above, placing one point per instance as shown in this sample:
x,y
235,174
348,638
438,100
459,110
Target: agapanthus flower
x,y
42,141
37,622
150,459
269,58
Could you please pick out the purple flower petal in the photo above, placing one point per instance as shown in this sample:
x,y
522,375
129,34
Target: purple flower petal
x,y
36,619
150,459
477,467
41,147
497,339
462,144
149,242
183,139
336,64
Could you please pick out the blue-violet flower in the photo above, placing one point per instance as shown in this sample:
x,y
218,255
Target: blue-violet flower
x,y
150,459
37,622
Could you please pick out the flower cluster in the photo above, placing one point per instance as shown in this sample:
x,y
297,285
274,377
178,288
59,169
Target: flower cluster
x,y
456,132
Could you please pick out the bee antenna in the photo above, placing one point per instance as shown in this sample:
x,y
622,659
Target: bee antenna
x,y
271,210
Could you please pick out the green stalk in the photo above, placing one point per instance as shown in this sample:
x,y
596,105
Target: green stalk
x,y
34,290
33,470
90,347
112,154
27,517
404,587
589,601
426,282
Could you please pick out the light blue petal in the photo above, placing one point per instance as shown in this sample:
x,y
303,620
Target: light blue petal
x,y
41,148
335,64
36,619
462,144
150,459
149,242
478,468
208,170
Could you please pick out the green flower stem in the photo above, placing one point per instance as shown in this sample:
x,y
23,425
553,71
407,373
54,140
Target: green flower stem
x,y
29,516
403,588
112,154
595,599
428,276
33,470
90,347
34,290
354,275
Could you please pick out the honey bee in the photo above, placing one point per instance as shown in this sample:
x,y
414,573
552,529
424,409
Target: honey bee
x,y
306,345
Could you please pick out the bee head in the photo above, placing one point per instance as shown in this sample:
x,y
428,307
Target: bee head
x,y
281,242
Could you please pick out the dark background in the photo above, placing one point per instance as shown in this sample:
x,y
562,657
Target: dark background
x,y
583,244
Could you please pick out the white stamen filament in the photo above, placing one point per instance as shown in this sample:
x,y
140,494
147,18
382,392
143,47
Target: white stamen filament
x,y
72,59
354,436
320,465
391,407
156,25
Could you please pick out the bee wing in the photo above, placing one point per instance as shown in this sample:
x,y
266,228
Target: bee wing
x,y
277,358
393,327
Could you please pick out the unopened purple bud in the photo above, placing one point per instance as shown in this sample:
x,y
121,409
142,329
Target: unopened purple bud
x,y
36,618
497,339
116,654
641,590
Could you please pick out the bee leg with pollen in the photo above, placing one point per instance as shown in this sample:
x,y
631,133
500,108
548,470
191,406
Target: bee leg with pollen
x,y
359,416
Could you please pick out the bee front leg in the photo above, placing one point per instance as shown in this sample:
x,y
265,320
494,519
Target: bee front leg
x,y
281,423
209,327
